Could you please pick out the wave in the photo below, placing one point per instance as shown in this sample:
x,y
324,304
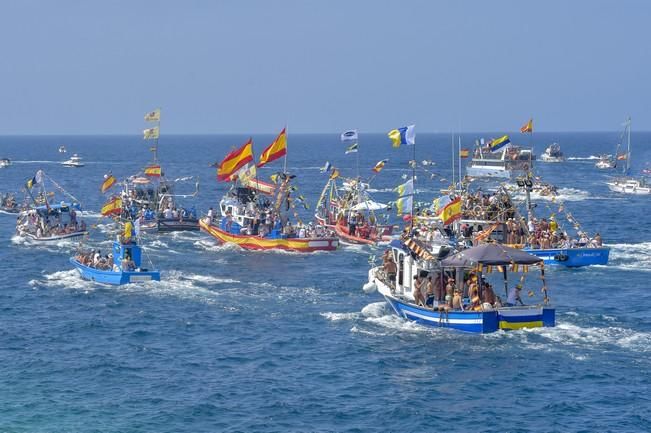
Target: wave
x,y
562,195
629,257
582,158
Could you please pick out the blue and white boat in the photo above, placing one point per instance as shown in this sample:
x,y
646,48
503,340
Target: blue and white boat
x,y
400,292
572,257
124,267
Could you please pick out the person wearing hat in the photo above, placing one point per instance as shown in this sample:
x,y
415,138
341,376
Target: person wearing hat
x,y
513,297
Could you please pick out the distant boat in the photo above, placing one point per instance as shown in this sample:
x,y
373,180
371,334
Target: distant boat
x,y
552,154
5,162
74,161
487,163
606,162
627,184
62,149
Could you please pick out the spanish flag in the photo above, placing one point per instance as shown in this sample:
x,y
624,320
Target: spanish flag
x,y
275,150
464,153
528,127
380,165
153,171
109,181
451,212
112,207
235,160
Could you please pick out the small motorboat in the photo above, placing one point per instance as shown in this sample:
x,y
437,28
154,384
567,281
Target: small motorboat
x,y
606,162
74,161
123,266
5,162
553,154
62,149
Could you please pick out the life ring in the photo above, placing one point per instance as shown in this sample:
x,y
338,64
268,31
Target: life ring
x,y
561,257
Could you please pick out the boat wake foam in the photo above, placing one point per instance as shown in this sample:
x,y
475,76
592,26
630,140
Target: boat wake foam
x,y
582,158
630,257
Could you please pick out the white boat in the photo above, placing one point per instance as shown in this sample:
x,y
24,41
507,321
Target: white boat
x,y
606,162
627,184
5,162
62,149
553,154
499,164
74,161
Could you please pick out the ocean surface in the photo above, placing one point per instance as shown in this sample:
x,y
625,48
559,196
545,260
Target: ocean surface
x,y
231,340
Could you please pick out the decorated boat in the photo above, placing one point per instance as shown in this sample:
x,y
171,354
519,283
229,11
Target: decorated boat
x,y
553,153
124,265
256,215
627,184
458,288
46,220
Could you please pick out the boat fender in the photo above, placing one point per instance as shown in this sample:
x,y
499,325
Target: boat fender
x,y
561,257
369,287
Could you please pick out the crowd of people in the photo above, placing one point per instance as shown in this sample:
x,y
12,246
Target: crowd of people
x,y
8,202
49,222
95,259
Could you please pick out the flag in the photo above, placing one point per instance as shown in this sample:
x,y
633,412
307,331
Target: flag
x,y
31,182
352,148
153,149
247,173
153,116
527,128
235,160
334,174
621,157
150,133
439,204
153,170
498,143
404,135
326,167
464,153
405,196
109,181
112,207
275,150
451,212
380,165
350,135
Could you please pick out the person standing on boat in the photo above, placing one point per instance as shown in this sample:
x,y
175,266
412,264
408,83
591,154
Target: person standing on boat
x,y
419,284
352,223
513,297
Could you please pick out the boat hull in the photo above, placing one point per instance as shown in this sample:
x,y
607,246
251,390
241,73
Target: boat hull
x,y
174,225
251,242
343,234
488,172
628,189
572,257
56,238
114,278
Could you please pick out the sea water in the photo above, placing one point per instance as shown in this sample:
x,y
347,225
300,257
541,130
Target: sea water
x,y
232,340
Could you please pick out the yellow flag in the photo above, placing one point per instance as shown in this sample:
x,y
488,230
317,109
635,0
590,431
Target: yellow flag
x,y
150,133
153,116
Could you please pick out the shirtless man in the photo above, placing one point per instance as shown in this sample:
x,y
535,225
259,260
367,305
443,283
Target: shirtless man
x,y
419,283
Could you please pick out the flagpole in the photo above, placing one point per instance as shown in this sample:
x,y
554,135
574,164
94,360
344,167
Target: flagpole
x,y
413,184
453,179
459,159
286,146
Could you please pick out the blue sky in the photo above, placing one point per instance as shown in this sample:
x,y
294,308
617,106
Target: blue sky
x,y
323,66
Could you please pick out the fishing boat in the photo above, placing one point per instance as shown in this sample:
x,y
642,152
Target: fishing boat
x,y
46,219
122,266
496,218
9,204
472,307
606,162
74,161
353,214
553,153
627,184
499,161
256,215
5,162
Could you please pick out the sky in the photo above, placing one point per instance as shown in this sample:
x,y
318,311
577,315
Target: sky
x,y
95,67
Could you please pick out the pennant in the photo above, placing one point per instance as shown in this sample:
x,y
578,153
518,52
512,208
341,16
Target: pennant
x,y
153,170
334,174
112,207
350,135
498,143
621,157
31,182
527,128
150,133
464,153
275,150
109,181
153,116
380,165
352,148
326,167
404,135
451,212
235,160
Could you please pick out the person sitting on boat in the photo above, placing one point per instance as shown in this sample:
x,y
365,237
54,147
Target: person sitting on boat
x,y
364,230
513,297
211,214
419,284
597,240
553,225
302,232
488,295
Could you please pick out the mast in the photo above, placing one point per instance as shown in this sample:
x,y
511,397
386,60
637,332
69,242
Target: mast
x,y
286,146
628,147
459,160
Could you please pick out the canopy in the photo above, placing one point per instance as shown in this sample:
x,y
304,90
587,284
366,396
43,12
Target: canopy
x,y
369,205
490,254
